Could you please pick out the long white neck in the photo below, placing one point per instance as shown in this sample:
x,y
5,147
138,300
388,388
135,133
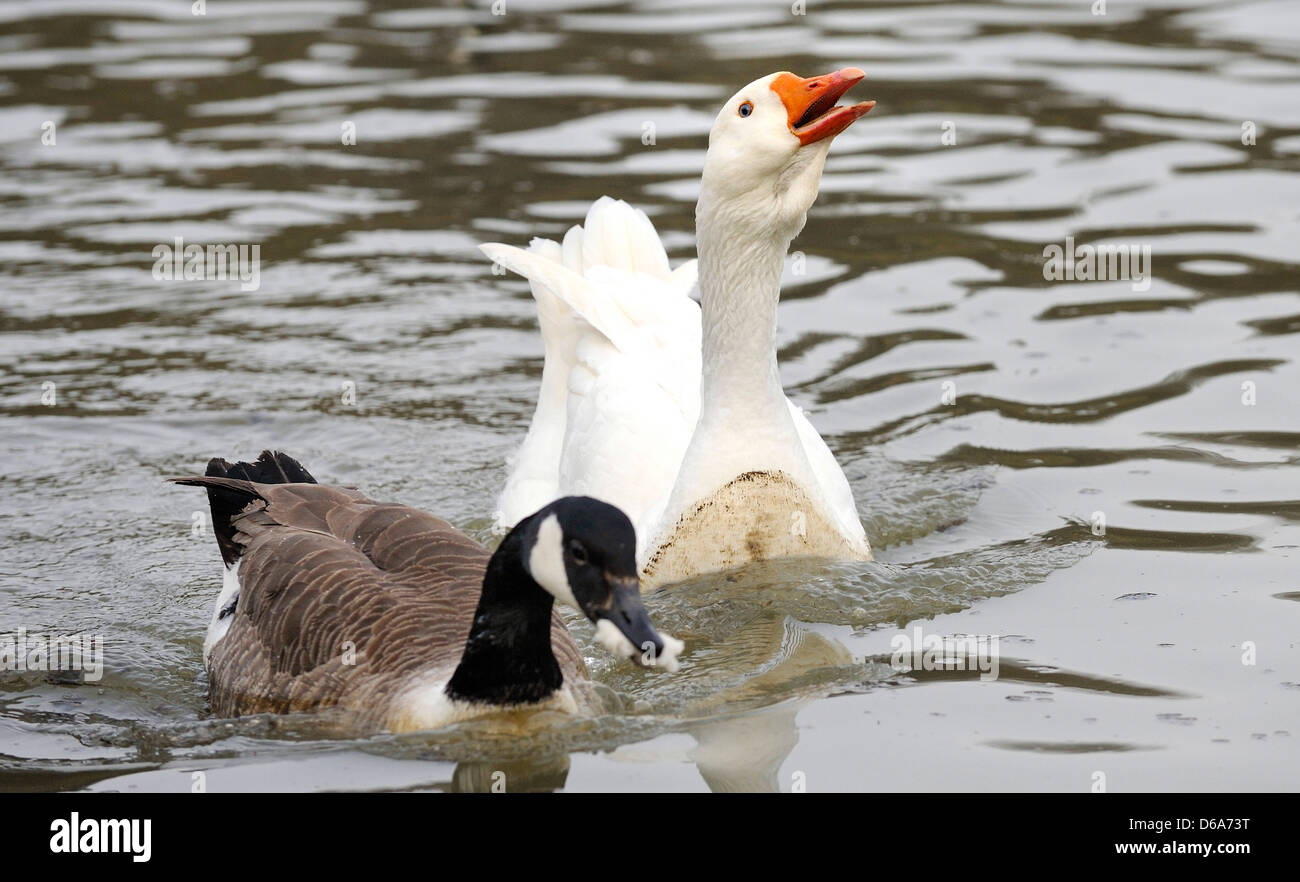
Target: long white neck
x,y
740,266
745,423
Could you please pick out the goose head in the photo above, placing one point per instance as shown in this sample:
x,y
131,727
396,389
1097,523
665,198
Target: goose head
x,y
583,552
768,146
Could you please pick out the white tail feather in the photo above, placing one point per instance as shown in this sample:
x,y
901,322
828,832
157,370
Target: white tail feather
x,y
596,308
619,236
617,320
684,277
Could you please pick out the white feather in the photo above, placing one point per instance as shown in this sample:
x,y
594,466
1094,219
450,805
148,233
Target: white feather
x,y
218,627
633,367
428,706
533,478
832,481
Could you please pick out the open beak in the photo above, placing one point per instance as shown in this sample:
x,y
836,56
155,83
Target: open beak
x,y
810,103
627,614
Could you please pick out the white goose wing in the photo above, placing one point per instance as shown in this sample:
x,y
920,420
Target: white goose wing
x,y
831,480
633,404
632,369
533,473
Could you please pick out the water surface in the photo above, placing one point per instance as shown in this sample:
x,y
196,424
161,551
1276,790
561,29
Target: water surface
x,y
1173,412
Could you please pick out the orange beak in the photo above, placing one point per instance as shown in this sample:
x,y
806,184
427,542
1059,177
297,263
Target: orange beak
x,y
811,103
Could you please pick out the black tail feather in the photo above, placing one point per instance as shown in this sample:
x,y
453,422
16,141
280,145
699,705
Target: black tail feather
x,y
229,498
270,468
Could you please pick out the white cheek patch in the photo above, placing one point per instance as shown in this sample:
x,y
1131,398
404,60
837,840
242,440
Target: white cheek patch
x,y
546,561
616,644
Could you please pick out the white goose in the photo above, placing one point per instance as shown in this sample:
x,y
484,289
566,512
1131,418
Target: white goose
x,y
674,412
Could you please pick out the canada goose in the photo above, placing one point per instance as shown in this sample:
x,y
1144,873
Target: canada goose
x,y
397,618
673,411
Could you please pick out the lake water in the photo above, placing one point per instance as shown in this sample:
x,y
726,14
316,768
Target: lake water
x,y
1104,474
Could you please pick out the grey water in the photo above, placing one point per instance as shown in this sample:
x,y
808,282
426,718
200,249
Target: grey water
x,y
1103,474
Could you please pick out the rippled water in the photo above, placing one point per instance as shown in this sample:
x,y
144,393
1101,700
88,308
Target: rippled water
x,y
922,264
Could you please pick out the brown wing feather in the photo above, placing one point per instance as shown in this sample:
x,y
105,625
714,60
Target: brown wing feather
x,y
323,568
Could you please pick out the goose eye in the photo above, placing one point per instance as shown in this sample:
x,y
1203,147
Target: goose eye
x,y
578,552
745,109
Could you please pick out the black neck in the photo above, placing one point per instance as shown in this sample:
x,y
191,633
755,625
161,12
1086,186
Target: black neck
x,y
508,657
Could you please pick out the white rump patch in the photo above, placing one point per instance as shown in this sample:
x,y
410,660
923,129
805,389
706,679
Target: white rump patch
x,y
546,561
219,626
